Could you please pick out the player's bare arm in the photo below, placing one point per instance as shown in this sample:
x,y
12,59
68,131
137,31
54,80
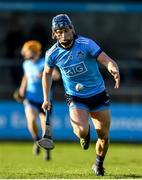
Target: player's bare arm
x,y
112,67
23,85
46,84
56,75
19,94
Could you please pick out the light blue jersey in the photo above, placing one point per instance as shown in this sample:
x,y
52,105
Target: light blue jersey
x,y
32,71
78,65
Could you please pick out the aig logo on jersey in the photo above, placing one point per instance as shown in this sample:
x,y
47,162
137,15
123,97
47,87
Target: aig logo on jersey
x,y
75,70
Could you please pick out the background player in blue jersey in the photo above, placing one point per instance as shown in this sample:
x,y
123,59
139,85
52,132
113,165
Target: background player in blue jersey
x,y
31,89
77,58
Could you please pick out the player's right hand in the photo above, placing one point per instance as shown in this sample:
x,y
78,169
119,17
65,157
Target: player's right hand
x,y
46,105
17,96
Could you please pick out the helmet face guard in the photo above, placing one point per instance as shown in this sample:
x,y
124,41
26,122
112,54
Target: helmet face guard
x,y
61,21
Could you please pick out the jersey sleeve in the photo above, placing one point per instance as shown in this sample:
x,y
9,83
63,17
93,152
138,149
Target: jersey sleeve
x,y
49,61
94,49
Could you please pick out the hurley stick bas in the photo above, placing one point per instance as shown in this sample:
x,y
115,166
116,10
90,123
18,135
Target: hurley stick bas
x,y
46,141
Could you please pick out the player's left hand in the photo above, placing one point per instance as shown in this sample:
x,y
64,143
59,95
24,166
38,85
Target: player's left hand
x,y
116,76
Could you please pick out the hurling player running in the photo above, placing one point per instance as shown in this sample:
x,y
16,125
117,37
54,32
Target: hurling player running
x,y
76,57
31,89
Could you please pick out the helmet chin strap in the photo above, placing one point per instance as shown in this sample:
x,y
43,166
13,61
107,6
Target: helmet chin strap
x,y
67,44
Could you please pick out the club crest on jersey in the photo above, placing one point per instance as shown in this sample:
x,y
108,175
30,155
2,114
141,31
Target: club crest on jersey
x,y
80,54
75,69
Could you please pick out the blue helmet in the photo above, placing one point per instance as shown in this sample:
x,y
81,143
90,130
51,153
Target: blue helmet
x,y
61,21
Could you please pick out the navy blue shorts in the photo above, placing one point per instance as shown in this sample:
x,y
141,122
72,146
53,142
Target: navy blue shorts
x,y
34,105
94,103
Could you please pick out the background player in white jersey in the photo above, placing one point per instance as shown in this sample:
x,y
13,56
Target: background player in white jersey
x,y
30,90
77,58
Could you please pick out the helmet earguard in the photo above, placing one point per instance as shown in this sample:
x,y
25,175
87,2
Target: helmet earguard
x,y
61,21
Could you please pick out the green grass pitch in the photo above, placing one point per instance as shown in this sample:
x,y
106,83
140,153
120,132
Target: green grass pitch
x,y
68,161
